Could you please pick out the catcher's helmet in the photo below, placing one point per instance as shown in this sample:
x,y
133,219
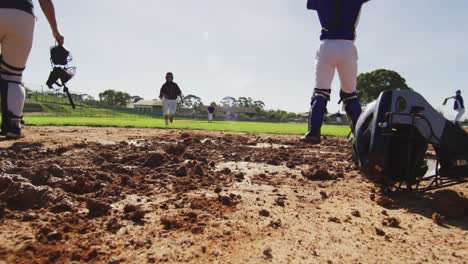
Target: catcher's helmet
x,y
380,147
59,55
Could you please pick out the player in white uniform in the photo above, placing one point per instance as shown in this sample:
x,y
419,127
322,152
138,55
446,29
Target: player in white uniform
x,y
169,93
458,106
337,52
17,23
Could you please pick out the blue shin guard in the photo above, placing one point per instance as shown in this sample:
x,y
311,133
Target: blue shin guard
x,y
317,111
352,107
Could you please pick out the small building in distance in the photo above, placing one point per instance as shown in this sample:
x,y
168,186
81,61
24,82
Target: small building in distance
x,y
153,107
230,112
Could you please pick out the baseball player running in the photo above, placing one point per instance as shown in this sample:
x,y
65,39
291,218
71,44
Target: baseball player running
x,y
339,19
458,106
169,93
17,23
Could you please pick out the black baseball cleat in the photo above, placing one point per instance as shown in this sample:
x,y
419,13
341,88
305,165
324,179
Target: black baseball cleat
x,y
14,130
13,135
312,140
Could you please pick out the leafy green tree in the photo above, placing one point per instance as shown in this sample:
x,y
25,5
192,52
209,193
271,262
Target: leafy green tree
x,y
258,104
115,98
371,84
136,98
229,101
191,101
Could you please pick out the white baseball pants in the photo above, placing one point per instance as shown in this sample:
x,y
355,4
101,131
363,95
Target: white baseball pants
x,y
340,55
460,111
169,107
16,39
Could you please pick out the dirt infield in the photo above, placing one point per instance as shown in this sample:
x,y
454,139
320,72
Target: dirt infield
x,y
115,195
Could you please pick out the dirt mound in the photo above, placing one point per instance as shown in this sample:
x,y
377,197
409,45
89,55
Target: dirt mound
x,y
134,213
155,160
97,208
318,174
450,204
175,149
18,193
121,200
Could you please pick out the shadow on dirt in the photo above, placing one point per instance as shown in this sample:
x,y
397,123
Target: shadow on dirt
x,y
449,204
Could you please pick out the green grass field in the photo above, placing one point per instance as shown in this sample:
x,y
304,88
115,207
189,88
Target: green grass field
x,y
248,127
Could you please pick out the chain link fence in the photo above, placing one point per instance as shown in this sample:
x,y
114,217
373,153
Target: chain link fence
x,y
40,100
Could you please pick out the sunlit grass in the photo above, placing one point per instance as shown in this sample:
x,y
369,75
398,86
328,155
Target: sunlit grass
x,y
234,126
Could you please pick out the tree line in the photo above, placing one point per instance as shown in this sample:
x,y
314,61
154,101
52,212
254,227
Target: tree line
x,y
369,86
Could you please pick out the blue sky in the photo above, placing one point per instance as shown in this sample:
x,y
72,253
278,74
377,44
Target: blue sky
x,y
264,49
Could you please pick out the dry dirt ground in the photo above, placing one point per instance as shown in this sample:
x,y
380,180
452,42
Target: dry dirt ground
x,y
115,195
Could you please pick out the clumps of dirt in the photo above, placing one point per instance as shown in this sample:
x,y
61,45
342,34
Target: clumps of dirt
x,y
181,171
55,170
184,135
391,222
175,149
218,190
171,223
438,219
239,176
113,225
323,195
225,171
274,161
198,170
356,213
450,204
383,200
267,253
280,201
334,219
134,213
275,224
264,213
45,235
290,165
155,160
229,200
97,208
63,206
379,231
318,174
19,194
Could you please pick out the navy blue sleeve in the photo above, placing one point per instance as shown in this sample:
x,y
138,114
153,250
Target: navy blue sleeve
x,y
312,4
162,92
365,1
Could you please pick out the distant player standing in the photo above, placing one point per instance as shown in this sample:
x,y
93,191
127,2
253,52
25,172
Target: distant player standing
x,y
211,112
339,120
458,106
339,19
169,93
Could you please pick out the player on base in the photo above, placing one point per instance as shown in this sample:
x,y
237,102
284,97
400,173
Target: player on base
x,y
169,93
339,19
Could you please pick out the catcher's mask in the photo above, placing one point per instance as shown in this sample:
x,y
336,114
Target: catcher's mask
x,y
61,73
59,58
389,151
